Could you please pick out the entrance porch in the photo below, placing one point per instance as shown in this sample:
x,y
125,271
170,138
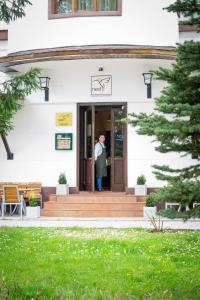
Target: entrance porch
x,y
95,119
92,205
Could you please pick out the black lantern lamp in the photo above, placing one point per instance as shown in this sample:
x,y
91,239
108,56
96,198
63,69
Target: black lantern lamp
x,y
44,84
147,81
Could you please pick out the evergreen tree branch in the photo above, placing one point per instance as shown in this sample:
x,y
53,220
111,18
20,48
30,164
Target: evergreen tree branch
x,y
12,96
189,9
10,10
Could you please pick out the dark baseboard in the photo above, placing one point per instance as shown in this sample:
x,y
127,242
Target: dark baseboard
x,y
131,190
48,190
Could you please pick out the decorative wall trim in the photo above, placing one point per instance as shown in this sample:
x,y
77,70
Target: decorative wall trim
x,y
87,52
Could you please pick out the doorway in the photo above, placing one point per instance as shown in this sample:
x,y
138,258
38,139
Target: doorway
x,y
95,119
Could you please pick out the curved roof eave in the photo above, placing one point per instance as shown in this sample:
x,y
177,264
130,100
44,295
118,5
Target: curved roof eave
x,y
87,52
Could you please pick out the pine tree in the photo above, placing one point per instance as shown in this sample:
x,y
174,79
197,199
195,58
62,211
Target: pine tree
x,y
175,124
10,10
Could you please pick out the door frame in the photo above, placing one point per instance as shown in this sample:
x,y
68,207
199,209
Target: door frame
x,y
96,104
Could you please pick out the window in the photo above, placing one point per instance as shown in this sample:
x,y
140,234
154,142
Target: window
x,y
78,8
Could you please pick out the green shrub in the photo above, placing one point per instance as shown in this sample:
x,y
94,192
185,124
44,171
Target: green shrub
x,y
62,179
185,215
172,214
32,200
141,180
151,201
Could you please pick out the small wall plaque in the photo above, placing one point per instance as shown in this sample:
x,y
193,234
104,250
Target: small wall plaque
x,y
64,119
63,141
101,85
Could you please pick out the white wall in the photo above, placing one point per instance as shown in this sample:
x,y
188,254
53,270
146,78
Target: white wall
x,y
32,140
33,144
3,25
3,48
142,23
71,80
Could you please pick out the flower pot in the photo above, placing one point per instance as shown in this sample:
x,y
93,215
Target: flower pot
x,y
62,189
140,190
149,211
33,212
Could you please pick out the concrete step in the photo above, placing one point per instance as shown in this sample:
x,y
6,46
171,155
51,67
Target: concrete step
x,y
91,214
91,205
111,206
95,198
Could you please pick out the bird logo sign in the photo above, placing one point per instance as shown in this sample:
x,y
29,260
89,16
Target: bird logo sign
x,y
101,85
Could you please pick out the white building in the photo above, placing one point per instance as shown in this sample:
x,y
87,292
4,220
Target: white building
x,y
95,53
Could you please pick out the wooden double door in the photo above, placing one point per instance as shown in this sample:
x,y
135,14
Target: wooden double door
x,y
105,119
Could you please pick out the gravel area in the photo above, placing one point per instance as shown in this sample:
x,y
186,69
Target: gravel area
x,y
193,224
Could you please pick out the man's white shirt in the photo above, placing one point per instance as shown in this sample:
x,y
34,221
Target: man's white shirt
x,y
98,149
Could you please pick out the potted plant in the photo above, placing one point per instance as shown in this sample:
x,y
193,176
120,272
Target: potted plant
x,y
33,210
150,209
62,188
140,187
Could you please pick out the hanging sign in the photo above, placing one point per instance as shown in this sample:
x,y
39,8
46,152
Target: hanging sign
x,y
64,119
101,85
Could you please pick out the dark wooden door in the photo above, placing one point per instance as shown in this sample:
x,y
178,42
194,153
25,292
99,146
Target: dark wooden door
x,y
118,153
89,121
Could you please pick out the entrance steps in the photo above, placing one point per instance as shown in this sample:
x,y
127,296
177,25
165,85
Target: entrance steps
x,y
94,205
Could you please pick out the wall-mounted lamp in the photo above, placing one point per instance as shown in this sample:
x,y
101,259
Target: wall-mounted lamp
x,y
147,81
44,84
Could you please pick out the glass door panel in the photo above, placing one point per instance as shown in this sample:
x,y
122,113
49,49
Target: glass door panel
x,y
118,134
117,150
88,148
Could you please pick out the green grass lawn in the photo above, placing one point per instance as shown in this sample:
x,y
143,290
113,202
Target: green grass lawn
x,y
44,263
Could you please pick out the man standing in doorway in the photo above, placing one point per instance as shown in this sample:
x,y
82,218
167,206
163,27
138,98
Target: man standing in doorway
x,y
100,161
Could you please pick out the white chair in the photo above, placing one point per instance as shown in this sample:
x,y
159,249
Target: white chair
x,y
195,204
12,198
170,205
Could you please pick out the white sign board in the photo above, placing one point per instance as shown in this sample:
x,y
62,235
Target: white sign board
x,y
101,85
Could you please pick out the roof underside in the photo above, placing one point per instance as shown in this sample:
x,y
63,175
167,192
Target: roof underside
x,y
86,52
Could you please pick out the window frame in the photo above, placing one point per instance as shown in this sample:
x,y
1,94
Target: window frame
x,y
53,15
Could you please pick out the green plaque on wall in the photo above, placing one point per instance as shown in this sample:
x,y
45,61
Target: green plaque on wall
x,y
63,141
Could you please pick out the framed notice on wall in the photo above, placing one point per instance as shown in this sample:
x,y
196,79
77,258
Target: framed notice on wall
x,y
64,119
63,141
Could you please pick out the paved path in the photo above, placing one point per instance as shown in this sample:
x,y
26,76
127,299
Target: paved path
x,y
193,224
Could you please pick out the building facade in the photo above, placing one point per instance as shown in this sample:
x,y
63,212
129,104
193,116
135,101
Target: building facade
x,y
95,54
